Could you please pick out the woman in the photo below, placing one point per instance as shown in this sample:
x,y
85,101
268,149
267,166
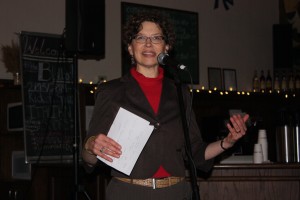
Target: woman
x,y
146,92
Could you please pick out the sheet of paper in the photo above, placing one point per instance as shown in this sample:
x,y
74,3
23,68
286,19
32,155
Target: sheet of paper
x,y
132,133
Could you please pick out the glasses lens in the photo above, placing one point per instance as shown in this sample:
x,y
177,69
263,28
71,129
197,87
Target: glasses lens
x,y
154,39
140,38
157,39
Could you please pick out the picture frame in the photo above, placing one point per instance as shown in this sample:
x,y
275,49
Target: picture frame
x,y
20,169
214,78
230,82
186,48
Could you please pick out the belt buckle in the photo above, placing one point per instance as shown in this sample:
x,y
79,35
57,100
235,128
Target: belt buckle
x,y
153,183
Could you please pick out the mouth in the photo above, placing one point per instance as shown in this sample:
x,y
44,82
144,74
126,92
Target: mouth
x,y
149,53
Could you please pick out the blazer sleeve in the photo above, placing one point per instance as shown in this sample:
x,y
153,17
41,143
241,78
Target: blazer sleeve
x,y
197,143
103,114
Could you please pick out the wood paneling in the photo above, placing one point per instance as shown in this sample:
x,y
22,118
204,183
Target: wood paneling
x,y
248,182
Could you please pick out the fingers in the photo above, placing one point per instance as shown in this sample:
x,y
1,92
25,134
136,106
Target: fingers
x,y
245,118
238,123
238,128
106,147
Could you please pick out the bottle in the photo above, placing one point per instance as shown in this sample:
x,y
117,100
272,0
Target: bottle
x,y
262,81
269,82
255,82
283,83
297,135
297,82
276,83
291,83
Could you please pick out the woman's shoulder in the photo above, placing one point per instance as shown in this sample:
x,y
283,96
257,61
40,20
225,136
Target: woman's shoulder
x,y
113,85
109,84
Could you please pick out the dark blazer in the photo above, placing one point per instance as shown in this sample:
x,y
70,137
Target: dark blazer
x,y
166,145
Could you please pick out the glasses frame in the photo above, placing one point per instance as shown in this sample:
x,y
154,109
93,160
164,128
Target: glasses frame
x,y
145,39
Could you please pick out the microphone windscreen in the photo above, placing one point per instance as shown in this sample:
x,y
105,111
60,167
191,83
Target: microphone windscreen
x,y
161,58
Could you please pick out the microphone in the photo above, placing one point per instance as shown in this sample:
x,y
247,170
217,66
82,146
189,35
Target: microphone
x,y
165,59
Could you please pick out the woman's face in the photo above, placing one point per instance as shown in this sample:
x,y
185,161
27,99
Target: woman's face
x,y
145,50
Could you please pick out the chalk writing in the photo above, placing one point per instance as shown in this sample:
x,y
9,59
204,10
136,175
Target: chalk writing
x,y
48,95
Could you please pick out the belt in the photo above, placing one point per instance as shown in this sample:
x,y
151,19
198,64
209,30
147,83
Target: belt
x,y
153,182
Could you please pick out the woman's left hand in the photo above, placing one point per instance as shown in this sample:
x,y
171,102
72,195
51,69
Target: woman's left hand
x,y
237,128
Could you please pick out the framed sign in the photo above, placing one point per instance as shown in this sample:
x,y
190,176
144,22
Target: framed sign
x,y
215,78
48,99
229,76
185,25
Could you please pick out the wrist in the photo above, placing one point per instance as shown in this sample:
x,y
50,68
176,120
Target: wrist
x,y
86,145
225,144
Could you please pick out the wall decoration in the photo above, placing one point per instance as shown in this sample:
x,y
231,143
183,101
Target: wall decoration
x,y
229,76
289,11
225,3
10,56
215,78
48,99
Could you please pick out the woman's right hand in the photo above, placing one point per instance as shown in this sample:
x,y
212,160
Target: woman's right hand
x,y
103,146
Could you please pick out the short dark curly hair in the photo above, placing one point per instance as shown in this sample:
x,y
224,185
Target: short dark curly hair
x,y
133,26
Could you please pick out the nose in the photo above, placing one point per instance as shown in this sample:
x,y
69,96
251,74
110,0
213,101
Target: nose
x,y
148,41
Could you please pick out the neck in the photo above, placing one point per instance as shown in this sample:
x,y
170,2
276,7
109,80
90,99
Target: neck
x,y
151,72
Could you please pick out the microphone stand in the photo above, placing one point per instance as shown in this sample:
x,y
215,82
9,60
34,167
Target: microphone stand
x,y
77,187
193,175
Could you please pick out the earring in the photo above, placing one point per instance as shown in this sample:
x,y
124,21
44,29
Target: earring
x,y
132,60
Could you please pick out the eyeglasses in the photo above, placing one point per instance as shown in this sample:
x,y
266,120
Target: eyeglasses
x,y
155,39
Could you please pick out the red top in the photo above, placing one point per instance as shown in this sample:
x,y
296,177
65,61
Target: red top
x,y
152,88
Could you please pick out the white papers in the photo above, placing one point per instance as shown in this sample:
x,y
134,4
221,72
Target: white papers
x,y
132,133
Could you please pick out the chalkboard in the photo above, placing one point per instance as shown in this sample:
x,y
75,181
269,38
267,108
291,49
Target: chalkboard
x,y
185,25
48,98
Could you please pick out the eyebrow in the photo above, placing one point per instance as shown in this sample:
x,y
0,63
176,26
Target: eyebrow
x,y
157,34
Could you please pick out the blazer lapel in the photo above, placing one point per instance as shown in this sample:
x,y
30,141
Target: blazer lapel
x,y
136,100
